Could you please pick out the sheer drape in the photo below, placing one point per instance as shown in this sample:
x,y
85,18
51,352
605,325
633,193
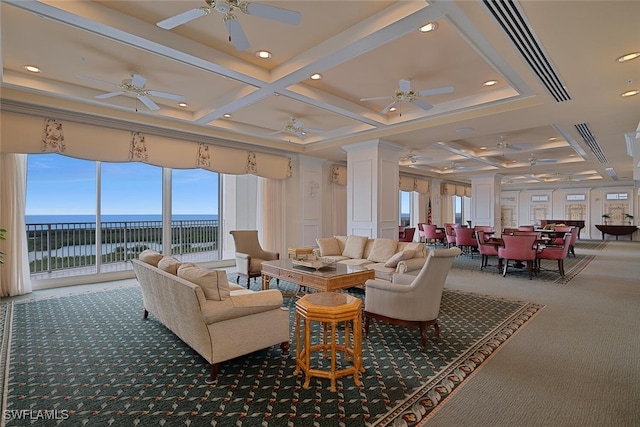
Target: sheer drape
x,y
15,278
272,219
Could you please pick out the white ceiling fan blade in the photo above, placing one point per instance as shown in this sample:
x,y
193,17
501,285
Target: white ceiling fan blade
x,y
274,13
546,160
297,124
148,102
183,18
301,135
437,91
276,132
376,98
318,131
110,94
388,107
238,38
166,95
405,85
137,80
420,103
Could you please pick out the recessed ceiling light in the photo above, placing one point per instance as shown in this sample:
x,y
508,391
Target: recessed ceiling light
x,y
227,115
483,148
490,83
263,54
628,57
316,76
32,68
431,26
630,93
183,104
392,109
514,161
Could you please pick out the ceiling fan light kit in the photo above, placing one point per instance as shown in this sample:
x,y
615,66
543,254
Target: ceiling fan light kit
x,y
135,86
405,93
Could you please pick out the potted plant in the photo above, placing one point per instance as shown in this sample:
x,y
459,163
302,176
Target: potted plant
x,y
605,217
2,231
629,218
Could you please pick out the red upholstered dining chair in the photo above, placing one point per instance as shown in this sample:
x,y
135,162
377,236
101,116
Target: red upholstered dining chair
x,y
526,228
407,235
450,232
558,253
518,248
486,250
558,239
574,237
431,233
466,240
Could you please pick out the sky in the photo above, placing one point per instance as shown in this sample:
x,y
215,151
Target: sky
x,y
60,185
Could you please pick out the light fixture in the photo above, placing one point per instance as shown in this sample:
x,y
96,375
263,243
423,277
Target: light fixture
x,y
431,26
630,93
465,130
263,54
316,76
226,115
392,109
628,57
483,147
183,105
490,83
32,68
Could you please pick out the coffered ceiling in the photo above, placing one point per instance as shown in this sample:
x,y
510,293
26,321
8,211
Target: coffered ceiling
x,y
554,115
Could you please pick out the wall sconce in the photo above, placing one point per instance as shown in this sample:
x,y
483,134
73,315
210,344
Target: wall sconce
x,y
313,188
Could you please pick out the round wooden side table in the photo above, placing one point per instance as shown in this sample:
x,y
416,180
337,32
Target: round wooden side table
x,y
330,309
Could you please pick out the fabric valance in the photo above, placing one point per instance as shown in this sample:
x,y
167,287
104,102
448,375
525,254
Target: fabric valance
x,y
449,189
339,174
30,134
408,183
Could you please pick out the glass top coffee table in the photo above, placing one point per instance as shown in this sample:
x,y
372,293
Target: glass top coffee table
x,y
336,277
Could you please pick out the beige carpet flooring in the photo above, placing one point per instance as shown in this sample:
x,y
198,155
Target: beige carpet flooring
x,y
577,363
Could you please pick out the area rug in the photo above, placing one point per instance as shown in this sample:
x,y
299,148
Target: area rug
x,y
549,271
89,359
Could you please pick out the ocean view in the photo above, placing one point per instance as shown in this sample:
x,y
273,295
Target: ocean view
x,y
55,219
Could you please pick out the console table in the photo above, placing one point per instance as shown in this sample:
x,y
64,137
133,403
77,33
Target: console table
x,y
617,230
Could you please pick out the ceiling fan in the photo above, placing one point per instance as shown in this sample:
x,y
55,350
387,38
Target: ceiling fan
x,y
412,157
533,160
135,86
503,144
297,128
226,8
404,93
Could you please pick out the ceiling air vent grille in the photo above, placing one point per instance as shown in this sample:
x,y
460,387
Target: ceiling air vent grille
x,y
515,25
590,140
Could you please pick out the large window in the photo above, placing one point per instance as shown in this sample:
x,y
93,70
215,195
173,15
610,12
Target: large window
x,y
87,217
405,208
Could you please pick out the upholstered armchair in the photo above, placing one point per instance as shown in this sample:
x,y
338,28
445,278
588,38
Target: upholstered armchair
x,y
518,248
250,255
432,234
558,253
411,300
466,240
486,249
450,232
407,234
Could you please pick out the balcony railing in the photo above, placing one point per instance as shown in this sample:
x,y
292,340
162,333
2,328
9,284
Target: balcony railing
x,y
60,246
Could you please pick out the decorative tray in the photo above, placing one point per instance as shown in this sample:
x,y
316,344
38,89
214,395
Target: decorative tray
x,y
315,264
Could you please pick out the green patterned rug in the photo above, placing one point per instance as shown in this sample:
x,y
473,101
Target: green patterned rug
x,y
89,359
549,268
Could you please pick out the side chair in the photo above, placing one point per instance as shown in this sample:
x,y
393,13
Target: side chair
x,y
558,253
518,248
432,234
465,240
410,300
250,255
486,249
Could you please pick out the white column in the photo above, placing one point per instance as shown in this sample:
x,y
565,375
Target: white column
x,y
372,189
485,201
436,202
240,208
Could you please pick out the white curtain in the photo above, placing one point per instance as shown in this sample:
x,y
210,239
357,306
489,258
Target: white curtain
x,y
272,221
15,277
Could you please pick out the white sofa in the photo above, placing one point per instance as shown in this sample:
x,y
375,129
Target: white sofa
x,y
385,256
218,319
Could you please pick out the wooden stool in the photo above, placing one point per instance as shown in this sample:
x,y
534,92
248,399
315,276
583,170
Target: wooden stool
x,y
329,308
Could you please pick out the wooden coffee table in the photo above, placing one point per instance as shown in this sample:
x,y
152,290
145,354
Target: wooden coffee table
x,y
325,279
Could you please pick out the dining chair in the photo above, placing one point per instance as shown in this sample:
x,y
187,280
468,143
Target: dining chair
x,y
575,231
407,234
526,228
466,240
558,253
558,238
486,249
432,234
421,235
517,248
450,232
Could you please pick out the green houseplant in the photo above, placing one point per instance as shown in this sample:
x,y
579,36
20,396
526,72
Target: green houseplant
x,y
605,217
629,218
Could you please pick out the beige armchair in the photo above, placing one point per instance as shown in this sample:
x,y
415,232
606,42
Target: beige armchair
x,y
411,300
250,255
